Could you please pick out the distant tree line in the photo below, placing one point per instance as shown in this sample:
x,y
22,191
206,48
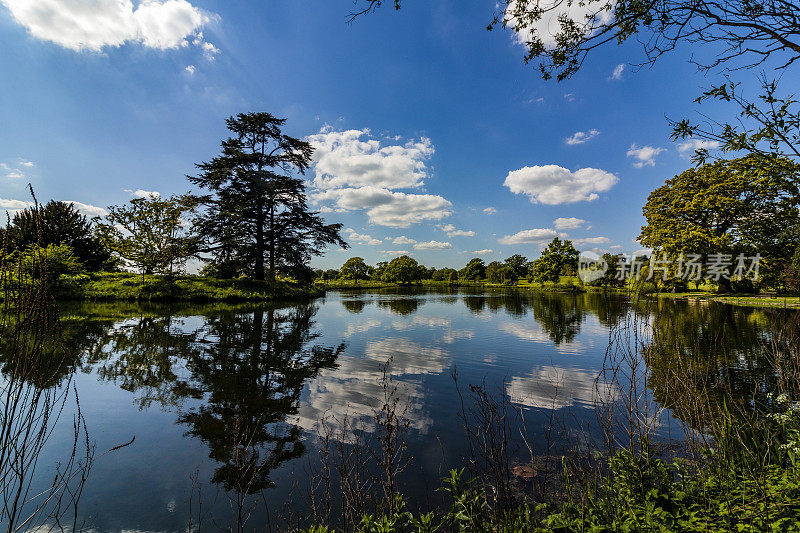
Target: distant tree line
x,y
560,258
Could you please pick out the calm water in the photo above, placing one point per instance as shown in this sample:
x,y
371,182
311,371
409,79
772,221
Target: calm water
x,y
193,384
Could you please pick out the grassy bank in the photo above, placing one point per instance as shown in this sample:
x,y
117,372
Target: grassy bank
x,y
748,300
135,287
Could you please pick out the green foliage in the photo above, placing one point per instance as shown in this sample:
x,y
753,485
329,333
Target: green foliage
x,y
150,233
51,262
403,269
257,220
745,205
474,271
445,274
560,258
133,287
497,272
355,268
519,264
58,223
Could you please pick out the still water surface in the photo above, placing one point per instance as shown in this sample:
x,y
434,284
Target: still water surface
x,y
187,382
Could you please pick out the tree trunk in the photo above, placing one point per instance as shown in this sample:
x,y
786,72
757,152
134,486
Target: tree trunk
x,y
272,245
259,266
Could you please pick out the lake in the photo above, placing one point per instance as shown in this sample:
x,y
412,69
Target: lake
x,y
221,399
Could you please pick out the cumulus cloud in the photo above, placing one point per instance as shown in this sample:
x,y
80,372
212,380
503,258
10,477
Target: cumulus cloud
x,y
580,137
591,240
568,223
691,145
361,239
352,159
616,74
490,210
388,208
395,252
88,209
402,239
451,231
6,203
432,245
486,251
355,171
191,69
530,236
97,24
553,185
645,156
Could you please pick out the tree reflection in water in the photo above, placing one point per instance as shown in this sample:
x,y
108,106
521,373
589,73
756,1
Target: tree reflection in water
x,y
719,356
246,372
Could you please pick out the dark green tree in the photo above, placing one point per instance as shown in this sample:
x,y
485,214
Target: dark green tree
x,y
257,220
520,265
497,272
380,269
444,274
355,268
474,271
403,269
560,258
58,223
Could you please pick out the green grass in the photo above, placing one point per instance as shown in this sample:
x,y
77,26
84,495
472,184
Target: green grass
x,y
150,288
748,300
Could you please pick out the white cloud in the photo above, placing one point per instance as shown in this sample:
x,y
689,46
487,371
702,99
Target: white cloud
x,y
549,25
691,145
388,208
140,193
553,185
16,171
88,209
209,50
98,24
402,239
644,155
616,74
486,251
432,245
580,137
490,210
361,239
568,223
591,240
345,159
191,69
355,171
530,236
395,252
6,203
451,231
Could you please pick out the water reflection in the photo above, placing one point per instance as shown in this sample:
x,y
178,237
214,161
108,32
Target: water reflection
x,y
252,385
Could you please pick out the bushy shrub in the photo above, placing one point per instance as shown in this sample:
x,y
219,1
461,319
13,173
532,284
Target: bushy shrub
x,y
52,261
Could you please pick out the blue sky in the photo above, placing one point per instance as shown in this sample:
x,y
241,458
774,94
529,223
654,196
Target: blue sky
x,y
423,120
